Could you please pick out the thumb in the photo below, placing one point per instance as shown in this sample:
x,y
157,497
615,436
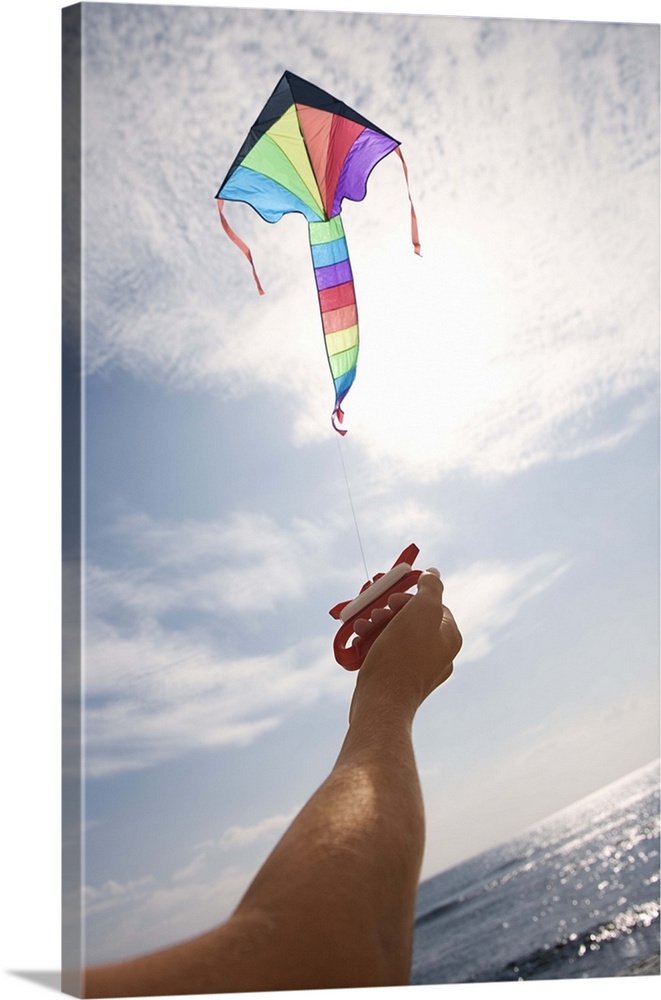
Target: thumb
x,y
430,583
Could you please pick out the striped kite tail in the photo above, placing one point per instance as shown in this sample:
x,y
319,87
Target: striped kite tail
x,y
337,301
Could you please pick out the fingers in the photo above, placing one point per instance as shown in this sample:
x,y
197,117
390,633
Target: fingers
x,y
430,583
378,617
381,615
362,626
397,601
430,586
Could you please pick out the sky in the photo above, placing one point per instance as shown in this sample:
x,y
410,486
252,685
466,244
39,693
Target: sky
x,y
504,418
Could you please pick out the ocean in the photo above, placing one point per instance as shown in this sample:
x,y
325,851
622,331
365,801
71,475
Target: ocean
x,y
574,897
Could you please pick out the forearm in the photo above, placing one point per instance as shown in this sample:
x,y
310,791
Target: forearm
x,y
341,884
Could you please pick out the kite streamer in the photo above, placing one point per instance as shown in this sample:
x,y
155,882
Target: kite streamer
x,y
337,302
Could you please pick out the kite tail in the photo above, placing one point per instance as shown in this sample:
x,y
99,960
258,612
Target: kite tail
x,y
414,221
239,242
337,302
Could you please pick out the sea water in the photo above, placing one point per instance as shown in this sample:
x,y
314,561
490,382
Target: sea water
x,y
576,896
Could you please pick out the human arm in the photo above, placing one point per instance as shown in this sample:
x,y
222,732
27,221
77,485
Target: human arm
x,y
333,904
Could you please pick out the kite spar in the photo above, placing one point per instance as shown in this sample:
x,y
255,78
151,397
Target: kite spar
x,y
306,152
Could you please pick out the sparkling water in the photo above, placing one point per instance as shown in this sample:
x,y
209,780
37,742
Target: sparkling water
x,y
576,896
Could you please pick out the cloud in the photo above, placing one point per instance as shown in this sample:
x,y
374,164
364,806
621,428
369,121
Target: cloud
x,y
191,695
185,645
245,564
528,331
486,597
149,913
158,914
241,836
609,739
112,894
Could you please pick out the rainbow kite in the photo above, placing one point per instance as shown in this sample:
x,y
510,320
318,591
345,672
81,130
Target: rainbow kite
x,y
306,152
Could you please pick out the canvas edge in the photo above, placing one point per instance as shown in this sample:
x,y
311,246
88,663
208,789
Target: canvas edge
x,y
72,470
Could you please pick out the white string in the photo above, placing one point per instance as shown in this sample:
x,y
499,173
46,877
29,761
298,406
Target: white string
x,y
353,511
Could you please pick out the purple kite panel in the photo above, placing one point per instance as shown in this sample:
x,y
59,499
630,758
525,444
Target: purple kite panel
x,y
335,274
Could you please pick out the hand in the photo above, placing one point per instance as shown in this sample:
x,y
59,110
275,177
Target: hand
x,y
415,652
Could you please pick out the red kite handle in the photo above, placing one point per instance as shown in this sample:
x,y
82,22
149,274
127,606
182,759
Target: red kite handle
x,y
374,594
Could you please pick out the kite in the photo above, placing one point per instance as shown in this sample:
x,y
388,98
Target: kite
x,y
306,152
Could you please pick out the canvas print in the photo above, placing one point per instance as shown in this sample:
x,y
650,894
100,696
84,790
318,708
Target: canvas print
x,y
360,500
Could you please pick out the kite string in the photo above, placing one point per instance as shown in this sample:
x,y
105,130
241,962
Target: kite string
x,y
353,510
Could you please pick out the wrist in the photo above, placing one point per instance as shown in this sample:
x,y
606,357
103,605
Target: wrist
x,y
377,701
